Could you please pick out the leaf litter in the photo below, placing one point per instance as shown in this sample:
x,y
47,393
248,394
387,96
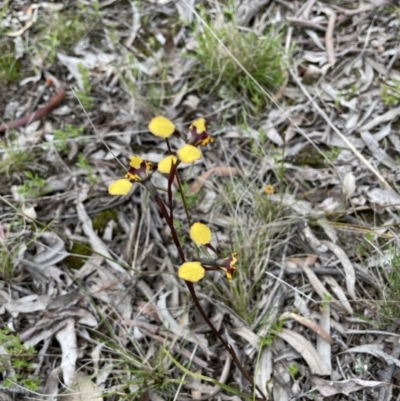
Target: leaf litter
x,y
326,239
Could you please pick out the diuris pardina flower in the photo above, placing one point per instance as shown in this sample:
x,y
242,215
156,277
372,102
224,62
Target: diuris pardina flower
x,y
165,165
161,127
228,265
188,153
198,134
200,234
137,172
191,271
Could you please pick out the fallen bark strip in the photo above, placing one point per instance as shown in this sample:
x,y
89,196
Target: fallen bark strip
x,y
37,114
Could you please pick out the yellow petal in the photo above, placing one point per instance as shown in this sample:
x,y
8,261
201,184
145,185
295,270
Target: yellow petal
x,y
161,126
135,161
200,125
188,153
191,271
120,187
200,234
269,189
165,165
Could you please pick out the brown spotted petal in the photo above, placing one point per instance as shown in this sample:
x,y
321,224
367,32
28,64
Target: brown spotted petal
x,y
138,169
198,133
228,265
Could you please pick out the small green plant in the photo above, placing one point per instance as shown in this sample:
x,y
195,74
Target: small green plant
x,y
14,158
326,299
9,68
331,155
191,198
33,186
61,137
101,220
84,164
5,262
276,328
57,31
79,253
390,94
15,358
83,95
260,55
293,370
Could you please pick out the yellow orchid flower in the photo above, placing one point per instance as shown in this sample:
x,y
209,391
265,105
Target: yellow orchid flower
x,y
200,234
165,165
161,126
120,187
198,134
191,271
188,153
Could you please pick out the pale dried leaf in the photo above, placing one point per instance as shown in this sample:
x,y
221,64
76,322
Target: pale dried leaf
x,y
299,206
82,389
377,351
347,266
249,335
328,387
69,348
310,324
96,243
377,151
338,291
306,350
51,389
280,393
274,136
384,197
309,260
349,184
178,329
222,171
324,348
391,115
50,251
316,283
28,304
264,370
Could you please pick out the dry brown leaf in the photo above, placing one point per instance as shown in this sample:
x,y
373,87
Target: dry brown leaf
x,y
307,261
220,171
310,324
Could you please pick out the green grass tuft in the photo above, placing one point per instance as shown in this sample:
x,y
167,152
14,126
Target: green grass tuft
x,y
261,57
